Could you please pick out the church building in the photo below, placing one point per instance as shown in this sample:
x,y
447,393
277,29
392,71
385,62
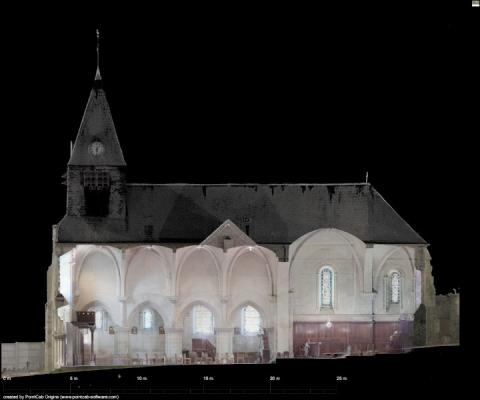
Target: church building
x,y
146,274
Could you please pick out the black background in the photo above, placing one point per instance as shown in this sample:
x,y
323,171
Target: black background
x,y
242,96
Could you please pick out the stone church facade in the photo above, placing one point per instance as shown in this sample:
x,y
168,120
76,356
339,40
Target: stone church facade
x,y
184,273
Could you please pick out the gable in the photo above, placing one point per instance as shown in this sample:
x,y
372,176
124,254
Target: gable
x,y
228,235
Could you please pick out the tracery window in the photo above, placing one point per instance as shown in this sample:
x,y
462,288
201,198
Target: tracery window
x,y
202,320
251,321
326,286
395,288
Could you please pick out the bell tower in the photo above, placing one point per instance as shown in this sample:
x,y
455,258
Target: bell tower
x,y
96,169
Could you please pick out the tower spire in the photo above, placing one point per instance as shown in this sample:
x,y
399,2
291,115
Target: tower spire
x,y
98,77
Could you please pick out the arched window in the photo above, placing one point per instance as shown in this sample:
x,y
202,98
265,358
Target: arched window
x,y
251,321
202,320
146,319
99,319
102,319
326,286
395,288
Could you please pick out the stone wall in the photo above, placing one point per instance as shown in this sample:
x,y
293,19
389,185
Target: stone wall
x,y
448,314
23,356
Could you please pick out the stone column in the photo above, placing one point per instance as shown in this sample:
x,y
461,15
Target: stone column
x,y
92,347
173,342
280,341
57,363
123,310
224,342
49,364
368,269
121,346
79,346
62,352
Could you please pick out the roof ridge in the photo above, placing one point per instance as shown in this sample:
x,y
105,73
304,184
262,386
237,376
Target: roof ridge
x,y
248,184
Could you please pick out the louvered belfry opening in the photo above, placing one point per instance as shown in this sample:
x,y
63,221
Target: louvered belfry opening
x,y
96,184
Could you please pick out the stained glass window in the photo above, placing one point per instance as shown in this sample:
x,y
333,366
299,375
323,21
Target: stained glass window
x,y
147,319
202,320
395,287
250,320
326,287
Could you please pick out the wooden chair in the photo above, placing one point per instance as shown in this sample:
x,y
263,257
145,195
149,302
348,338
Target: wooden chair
x,y
194,357
187,360
240,358
226,359
153,359
206,358
136,360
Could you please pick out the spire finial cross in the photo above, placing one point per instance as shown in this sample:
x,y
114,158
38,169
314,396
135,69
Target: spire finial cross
x,y
98,77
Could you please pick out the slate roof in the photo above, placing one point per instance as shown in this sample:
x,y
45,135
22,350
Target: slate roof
x,y
189,213
97,125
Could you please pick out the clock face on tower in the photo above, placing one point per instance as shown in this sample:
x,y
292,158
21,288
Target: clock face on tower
x,y
96,148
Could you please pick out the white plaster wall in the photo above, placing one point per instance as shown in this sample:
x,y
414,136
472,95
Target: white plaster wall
x,y
66,261
250,284
244,343
148,283
326,247
188,334
99,282
395,258
103,347
198,275
146,274
146,342
198,281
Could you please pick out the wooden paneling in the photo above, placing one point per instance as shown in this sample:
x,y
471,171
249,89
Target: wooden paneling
x,y
388,336
200,346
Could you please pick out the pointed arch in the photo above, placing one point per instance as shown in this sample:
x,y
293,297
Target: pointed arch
x,y
100,305
265,321
186,255
217,320
136,251
388,255
345,237
139,307
257,251
106,250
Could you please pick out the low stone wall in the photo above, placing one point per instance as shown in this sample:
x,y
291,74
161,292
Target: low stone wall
x,y
23,356
448,316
